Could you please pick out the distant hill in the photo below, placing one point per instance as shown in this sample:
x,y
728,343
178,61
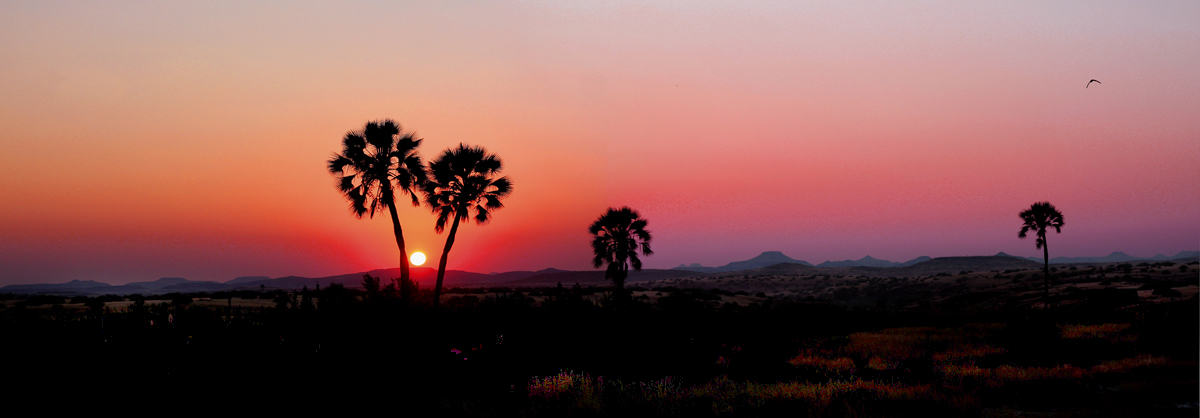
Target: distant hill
x,y
767,263
596,277
247,279
73,287
956,264
869,261
924,268
767,258
1115,257
518,275
789,268
424,275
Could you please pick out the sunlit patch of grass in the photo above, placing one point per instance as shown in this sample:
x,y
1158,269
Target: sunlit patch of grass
x,y
819,393
960,371
879,363
894,343
1014,374
1103,331
966,352
722,394
955,354
1127,364
582,391
553,386
1007,374
837,365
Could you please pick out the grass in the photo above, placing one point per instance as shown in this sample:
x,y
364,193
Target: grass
x,y
965,378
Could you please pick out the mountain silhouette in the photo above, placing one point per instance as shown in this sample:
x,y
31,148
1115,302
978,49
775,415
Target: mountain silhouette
x,y
1117,257
767,258
770,262
770,258
869,261
247,279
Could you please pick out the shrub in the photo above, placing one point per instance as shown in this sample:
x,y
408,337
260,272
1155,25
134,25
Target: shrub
x,y
1166,291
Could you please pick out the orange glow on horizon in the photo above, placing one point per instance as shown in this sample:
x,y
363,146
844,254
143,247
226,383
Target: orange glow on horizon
x,y
190,140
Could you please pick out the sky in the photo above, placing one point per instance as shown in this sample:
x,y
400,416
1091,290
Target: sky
x,y
141,140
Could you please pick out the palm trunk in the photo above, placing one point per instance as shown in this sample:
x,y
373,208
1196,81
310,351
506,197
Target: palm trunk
x,y
624,276
619,278
399,242
437,290
1046,272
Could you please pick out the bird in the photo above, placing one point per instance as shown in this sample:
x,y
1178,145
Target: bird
x,y
1089,84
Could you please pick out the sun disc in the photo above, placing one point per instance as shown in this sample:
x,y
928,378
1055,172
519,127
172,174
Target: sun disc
x,y
417,258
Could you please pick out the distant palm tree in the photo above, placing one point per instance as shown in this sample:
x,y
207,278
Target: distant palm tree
x,y
1041,217
463,181
375,164
616,237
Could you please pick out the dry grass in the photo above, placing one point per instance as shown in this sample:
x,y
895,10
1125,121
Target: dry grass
x,y
837,365
1104,331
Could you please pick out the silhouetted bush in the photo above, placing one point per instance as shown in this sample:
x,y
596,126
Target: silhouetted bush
x,y
39,300
1166,291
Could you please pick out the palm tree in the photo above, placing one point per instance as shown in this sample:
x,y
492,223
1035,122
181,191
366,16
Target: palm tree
x,y
616,237
375,164
463,181
1041,217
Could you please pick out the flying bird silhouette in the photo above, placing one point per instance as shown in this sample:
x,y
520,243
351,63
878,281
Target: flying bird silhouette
x,y
1089,84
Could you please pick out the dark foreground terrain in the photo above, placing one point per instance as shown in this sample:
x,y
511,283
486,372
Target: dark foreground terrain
x,y
666,351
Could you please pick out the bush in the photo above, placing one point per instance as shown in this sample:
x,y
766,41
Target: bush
x,y
1167,292
39,300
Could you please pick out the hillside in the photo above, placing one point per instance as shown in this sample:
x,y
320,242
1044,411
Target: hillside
x,y
767,258
596,278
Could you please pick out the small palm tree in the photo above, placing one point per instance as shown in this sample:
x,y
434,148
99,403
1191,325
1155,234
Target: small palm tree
x,y
616,237
1041,217
463,181
375,164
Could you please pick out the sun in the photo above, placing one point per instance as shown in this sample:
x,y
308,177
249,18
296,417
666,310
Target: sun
x,y
417,258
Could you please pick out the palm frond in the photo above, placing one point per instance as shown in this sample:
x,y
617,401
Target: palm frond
x,y
617,235
1040,217
461,181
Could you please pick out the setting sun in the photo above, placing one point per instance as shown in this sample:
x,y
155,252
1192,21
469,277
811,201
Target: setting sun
x,y
417,258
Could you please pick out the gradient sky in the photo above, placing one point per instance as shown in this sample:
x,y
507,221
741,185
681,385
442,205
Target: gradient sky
x,y
141,140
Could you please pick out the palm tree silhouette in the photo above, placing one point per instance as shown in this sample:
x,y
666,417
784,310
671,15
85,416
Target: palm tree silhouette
x,y
1040,217
375,164
463,181
616,237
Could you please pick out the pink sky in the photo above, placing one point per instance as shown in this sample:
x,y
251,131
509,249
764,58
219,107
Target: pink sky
x,y
140,141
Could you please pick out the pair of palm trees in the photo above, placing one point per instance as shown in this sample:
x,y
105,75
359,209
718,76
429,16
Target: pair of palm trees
x,y
381,161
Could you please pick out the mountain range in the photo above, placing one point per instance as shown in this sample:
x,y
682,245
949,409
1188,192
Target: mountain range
x,y
1115,257
769,262
769,258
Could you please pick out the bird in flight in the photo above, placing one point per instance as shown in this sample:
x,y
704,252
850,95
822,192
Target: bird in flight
x,y
1089,84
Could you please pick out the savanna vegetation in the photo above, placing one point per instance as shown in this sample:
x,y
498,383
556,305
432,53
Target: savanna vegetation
x,y
574,351
1112,339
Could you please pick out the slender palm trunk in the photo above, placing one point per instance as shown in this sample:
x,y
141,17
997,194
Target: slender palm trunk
x,y
437,290
399,242
1046,272
619,278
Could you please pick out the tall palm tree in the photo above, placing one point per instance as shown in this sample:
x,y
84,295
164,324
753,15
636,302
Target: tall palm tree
x,y
1039,218
375,164
463,181
616,237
